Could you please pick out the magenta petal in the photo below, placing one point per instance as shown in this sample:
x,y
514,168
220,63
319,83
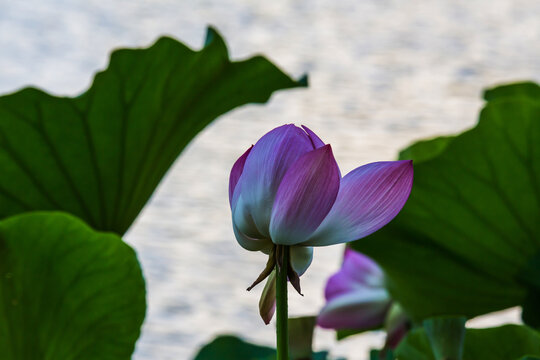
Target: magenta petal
x,y
369,197
305,196
315,140
236,171
356,296
357,273
356,310
266,166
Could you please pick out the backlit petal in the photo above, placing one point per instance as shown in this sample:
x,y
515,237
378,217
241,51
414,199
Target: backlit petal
x,y
301,257
266,166
236,171
305,196
369,197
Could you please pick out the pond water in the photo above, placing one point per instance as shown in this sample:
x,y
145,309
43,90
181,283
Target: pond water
x,y
382,74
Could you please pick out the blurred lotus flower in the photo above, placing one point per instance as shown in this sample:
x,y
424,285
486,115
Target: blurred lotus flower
x,y
287,191
356,299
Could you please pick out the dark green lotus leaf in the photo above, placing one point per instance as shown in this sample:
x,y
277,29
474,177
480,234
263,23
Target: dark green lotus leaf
x,y
301,336
343,334
66,291
381,355
230,347
100,155
500,343
426,149
471,226
523,90
446,336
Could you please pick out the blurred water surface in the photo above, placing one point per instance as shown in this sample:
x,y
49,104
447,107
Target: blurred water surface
x,y
382,74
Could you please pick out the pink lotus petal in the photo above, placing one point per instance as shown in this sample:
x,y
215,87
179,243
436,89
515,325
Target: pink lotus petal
x,y
315,140
305,196
355,296
358,272
369,197
266,166
356,310
301,257
236,171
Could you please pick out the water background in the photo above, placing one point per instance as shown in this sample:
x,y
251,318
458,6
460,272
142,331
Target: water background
x,y
383,73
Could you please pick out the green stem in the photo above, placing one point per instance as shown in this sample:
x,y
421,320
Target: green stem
x,y
282,333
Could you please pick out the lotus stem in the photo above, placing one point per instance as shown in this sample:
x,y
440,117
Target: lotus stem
x,y
282,333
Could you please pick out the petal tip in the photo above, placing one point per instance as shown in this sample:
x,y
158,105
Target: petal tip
x,y
327,149
409,163
315,140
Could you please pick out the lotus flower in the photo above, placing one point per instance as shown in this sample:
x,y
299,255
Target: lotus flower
x,y
356,299
287,191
